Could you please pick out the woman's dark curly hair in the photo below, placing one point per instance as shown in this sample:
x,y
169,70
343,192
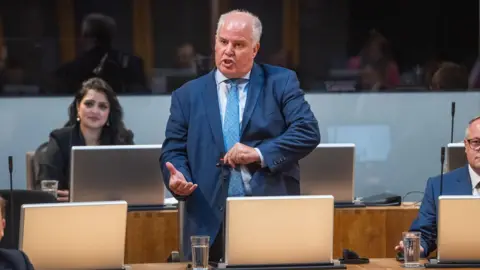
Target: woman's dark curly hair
x,y
115,129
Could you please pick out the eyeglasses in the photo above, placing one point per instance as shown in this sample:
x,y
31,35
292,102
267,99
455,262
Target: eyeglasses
x,y
474,144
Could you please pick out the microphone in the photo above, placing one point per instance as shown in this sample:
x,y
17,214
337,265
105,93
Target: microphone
x,y
453,121
223,178
12,218
442,161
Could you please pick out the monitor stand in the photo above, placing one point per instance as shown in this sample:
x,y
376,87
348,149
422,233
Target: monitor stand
x,y
433,263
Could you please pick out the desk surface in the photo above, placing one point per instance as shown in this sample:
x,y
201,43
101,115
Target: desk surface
x,y
374,264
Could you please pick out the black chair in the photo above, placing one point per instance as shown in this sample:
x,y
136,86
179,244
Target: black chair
x,y
20,197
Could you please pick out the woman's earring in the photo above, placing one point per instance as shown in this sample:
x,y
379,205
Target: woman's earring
x,y
78,119
108,123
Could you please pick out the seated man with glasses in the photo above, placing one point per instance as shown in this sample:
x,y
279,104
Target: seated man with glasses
x,y
462,181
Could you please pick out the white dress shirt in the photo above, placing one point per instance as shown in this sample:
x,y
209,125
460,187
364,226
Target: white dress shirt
x,y
475,178
222,89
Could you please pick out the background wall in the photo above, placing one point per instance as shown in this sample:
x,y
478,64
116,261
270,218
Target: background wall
x,y
398,136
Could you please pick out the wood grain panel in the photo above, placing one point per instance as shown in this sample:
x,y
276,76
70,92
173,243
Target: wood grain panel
x,y
396,223
66,26
359,230
371,232
151,236
291,30
143,34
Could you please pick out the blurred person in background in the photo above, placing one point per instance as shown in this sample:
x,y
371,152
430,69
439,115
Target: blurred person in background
x,y
122,71
377,53
450,77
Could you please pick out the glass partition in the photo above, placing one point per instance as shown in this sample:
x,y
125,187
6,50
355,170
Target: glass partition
x,y
397,136
155,46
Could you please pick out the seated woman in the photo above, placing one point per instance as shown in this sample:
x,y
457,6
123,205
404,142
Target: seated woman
x,y
95,118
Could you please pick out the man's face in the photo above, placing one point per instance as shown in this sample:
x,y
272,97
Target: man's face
x,y
234,46
472,144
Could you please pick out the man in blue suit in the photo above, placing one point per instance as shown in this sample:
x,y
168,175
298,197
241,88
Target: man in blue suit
x,y
252,118
462,181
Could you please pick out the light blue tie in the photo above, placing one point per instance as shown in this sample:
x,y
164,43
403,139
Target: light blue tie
x,y
231,135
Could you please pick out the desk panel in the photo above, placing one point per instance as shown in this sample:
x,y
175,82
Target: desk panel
x,y
371,232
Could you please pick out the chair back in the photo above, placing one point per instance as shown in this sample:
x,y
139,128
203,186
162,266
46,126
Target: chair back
x,y
30,173
20,197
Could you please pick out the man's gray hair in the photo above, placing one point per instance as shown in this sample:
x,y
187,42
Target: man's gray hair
x,y
256,23
467,133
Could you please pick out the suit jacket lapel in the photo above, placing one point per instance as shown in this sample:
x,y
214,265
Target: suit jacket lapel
x,y
210,102
255,86
464,182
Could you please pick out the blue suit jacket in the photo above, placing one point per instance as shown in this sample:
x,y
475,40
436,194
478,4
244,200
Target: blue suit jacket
x,y
14,259
456,182
277,120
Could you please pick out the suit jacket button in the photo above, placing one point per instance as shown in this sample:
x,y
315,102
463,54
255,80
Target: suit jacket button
x,y
221,208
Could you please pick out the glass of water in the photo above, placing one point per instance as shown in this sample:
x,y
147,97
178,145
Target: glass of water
x,y
200,248
50,186
411,249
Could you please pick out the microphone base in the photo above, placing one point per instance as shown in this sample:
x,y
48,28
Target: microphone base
x,y
433,263
283,266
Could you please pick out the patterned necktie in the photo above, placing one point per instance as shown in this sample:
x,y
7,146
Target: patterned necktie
x,y
231,135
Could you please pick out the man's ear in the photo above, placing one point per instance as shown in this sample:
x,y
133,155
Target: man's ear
x,y
2,229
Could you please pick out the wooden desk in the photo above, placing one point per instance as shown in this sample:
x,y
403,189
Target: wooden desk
x,y
374,264
372,232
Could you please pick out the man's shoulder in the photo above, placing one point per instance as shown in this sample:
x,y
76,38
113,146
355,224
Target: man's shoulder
x,y
193,85
452,175
275,72
16,257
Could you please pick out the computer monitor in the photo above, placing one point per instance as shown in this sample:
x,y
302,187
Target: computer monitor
x,y
457,230
74,235
329,170
456,157
279,230
117,172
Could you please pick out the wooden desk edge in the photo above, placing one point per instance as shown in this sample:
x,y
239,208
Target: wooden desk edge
x,y
376,263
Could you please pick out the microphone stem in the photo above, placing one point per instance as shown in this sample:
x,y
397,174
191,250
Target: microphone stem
x,y
442,162
451,130
12,208
223,176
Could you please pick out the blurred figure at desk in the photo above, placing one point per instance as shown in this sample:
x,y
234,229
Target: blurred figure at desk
x,y
246,122
450,77
123,71
11,259
462,181
95,118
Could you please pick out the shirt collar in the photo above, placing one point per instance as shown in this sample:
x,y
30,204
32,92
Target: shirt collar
x,y
219,77
474,177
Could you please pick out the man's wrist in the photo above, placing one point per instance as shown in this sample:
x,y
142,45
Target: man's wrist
x,y
260,157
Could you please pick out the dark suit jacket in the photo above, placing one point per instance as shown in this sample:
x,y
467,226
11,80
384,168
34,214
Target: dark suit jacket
x,y
12,259
456,182
54,162
276,119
